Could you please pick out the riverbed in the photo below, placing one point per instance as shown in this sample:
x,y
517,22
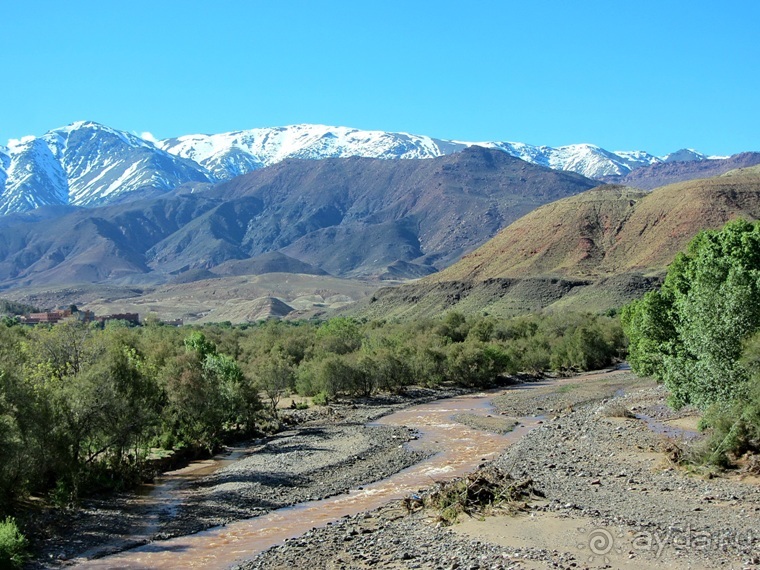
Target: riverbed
x,y
452,448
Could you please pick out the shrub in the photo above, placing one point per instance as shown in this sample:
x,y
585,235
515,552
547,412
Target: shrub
x,y
320,399
734,427
617,409
13,545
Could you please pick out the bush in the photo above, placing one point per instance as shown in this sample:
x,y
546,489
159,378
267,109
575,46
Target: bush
x,y
734,428
13,545
477,364
321,399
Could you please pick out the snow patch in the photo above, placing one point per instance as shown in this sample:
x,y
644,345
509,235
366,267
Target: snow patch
x,y
89,163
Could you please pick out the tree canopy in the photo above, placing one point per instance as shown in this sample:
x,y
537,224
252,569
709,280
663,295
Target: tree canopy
x,y
691,333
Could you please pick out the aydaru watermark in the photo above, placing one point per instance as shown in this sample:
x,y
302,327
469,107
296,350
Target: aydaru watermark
x,y
601,542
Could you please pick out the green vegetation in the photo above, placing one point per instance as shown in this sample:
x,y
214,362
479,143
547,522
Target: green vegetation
x,y
12,308
13,545
82,409
698,335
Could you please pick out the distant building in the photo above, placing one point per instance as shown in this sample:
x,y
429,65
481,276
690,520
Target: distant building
x,y
57,315
133,318
50,317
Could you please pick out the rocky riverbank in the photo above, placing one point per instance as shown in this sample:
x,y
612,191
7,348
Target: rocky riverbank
x,y
612,498
329,451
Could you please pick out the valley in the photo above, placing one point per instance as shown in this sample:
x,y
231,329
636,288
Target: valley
x,y
592,471
379,285
237,299
373,274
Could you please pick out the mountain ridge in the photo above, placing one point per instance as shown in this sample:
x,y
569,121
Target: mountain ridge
x,y
355,217
592,251
89,164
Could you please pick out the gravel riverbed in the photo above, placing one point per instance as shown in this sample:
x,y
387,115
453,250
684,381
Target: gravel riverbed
x,y
329,451
598,459
603,479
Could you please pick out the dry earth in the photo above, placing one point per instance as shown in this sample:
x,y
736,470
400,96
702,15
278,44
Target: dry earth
x,y
612,498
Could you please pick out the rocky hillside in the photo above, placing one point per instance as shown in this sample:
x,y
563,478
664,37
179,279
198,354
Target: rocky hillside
x,y
684,167
592,251
346,217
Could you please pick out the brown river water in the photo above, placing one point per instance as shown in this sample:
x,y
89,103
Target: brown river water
x,y
458,450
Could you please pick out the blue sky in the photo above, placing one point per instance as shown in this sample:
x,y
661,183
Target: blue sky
x,y
655,76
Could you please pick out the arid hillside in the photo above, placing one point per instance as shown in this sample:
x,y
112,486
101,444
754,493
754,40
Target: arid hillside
x,y
593,251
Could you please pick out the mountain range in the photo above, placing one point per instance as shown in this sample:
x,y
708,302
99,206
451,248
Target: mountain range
x,y
87,209
592,251
89,164
347,217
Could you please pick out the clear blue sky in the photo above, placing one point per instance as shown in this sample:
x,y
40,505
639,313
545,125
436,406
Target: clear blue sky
x,y
655,76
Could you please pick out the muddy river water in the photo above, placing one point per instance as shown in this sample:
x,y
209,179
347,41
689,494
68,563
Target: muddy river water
x,y
458,450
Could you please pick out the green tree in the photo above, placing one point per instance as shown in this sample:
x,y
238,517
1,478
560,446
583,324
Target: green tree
x,y
340,335
275,374
478,364
690,333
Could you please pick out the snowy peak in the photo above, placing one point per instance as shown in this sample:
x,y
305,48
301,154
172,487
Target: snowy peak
x,y
227,155
684,155
34,178
88,164
5,162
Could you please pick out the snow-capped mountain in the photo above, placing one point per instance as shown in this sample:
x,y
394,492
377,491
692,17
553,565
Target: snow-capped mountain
x,y
686,155
230,154
587,159
89,164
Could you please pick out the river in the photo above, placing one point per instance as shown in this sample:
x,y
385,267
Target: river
x,y
457,449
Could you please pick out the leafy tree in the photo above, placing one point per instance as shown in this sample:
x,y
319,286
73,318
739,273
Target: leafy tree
x,y
275,375
340,335
690,333
454,327
585,348
483,329
196,342
478,364
735,425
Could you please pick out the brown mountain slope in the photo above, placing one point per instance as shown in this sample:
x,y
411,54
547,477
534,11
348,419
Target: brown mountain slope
x,y
658,175
349,217
593,251
609,230
568,237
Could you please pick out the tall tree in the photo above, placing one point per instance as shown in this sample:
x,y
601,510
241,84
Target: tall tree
x,y
690,334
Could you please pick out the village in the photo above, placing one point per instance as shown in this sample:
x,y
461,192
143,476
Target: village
x,y
72,312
